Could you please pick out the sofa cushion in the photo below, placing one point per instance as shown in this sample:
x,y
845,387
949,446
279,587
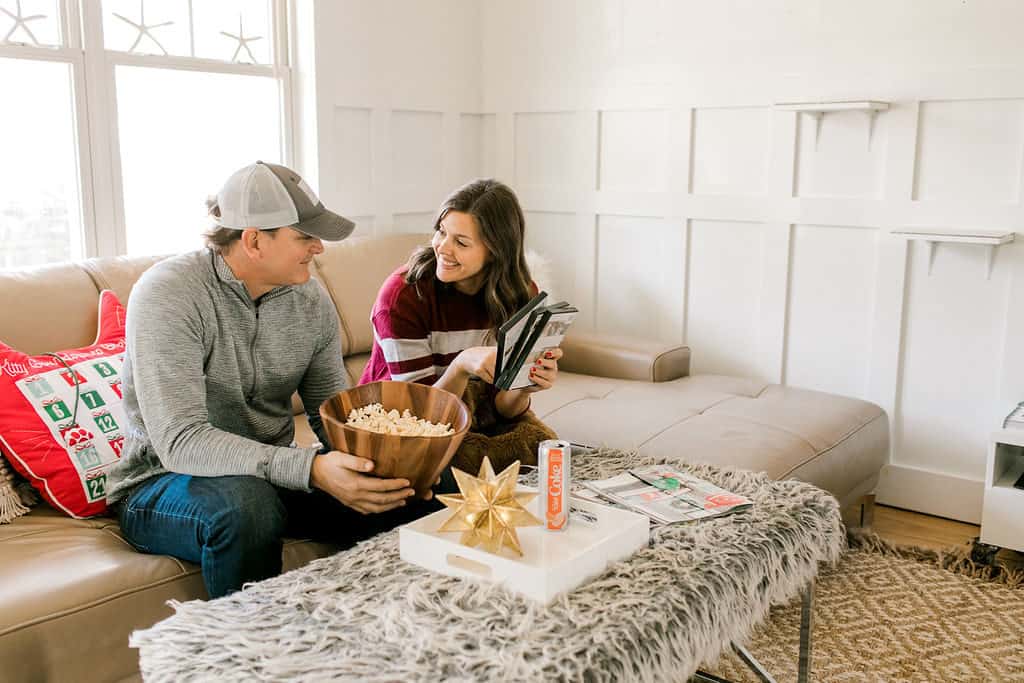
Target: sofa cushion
x,y
61,436
834,442
71,592
353,271
118,274
66,295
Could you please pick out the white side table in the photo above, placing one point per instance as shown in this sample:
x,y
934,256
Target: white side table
x,y
1002,515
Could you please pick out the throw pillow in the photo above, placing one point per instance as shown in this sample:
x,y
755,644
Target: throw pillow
x,y
61,415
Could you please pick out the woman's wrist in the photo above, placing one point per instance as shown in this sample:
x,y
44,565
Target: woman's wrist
x,y
512,404
458,365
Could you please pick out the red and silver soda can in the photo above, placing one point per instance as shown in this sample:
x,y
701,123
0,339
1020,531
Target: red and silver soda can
x,y
553,470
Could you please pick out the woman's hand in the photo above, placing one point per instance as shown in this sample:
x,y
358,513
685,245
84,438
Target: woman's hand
x,y
478,361
544,371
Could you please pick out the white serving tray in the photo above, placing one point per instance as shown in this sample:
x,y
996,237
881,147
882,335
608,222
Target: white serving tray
x,y
553,561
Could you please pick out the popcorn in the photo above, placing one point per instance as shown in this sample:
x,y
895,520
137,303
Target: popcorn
x,y
374,418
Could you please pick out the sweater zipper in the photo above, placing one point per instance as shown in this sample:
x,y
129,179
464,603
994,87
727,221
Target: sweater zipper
x,y
252,352
255,337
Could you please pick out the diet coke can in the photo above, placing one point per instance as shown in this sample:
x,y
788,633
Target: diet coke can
x,y
553,478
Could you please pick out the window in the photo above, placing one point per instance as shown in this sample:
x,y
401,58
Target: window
x,y
121,116
40,216
182,134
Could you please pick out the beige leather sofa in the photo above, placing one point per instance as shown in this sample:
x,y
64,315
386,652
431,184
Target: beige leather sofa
x,y
72,590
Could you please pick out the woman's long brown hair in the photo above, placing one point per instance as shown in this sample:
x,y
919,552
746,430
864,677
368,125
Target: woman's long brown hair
x,y
507,281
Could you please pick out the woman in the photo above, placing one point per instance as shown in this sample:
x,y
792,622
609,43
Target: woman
x,y
435,318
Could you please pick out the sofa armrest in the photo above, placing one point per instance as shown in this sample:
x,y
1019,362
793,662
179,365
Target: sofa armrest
x,y
602,355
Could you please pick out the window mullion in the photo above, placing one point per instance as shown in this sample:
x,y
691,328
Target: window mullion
x,y
71,37
71,24
282,63
101,104
190,64
287,118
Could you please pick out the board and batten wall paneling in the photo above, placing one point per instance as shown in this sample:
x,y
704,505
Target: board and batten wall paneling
x,y
640,278
353,161
970,150
956,358
477,147
723,297
633,154
545,143
731,150
560,241
418,151
842,155
951,360
832,280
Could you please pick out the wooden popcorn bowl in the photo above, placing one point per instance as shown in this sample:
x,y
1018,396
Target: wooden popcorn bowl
x,y
420,459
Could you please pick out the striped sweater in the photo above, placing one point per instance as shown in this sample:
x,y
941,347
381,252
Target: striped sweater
x,y
416,335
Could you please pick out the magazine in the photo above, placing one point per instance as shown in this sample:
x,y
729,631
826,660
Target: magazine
x,y
664,494
532,330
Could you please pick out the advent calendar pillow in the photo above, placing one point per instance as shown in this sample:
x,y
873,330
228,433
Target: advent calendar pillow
x,y
61,419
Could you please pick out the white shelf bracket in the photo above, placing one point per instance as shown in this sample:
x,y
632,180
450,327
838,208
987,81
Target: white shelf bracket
x,y
818,116
872,115
990,239
818,110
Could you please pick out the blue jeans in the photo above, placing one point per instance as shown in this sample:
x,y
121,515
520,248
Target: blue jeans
x,y
233,526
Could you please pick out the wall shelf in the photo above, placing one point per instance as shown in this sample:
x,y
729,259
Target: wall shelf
x,y
819,108
933,236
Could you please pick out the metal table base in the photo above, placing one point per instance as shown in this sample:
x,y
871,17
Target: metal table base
x,y
804,663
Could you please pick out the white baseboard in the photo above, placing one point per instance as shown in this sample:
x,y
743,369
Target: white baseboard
x,y
933,493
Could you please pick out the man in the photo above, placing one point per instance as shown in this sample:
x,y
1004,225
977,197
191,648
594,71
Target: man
x,y
217,342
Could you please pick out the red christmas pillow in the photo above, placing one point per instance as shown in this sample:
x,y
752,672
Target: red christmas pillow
x,y
61,416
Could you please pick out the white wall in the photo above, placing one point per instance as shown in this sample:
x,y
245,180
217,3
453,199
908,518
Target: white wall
x,y
397,83
641,138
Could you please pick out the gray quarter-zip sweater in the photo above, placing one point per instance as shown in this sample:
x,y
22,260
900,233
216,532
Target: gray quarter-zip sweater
x,y
209,373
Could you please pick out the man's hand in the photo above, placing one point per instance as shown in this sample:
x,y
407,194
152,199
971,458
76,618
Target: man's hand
x,y
347,478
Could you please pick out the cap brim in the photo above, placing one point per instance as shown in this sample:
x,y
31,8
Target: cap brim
x,y
327,226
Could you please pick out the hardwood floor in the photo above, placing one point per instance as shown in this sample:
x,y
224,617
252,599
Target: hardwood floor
x,y
913,528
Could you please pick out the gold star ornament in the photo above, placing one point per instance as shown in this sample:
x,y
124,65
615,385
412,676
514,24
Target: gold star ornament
x,y
487,510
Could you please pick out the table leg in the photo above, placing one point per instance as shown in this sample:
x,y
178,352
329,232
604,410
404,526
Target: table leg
x,y
804,661
752,663
806,626
867,511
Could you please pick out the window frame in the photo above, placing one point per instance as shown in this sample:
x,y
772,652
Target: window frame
x,y
94,108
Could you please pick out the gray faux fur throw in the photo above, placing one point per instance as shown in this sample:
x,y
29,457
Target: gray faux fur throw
x,y
365,615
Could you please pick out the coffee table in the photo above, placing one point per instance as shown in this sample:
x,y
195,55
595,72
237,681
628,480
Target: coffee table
x,y
364,614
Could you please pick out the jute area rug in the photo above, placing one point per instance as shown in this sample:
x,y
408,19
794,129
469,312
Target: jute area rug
x,y
886,613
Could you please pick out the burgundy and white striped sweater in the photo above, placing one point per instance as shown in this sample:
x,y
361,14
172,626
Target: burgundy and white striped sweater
x,y
417,335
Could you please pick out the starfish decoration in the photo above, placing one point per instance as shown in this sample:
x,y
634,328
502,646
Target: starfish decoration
x,y
243,42
488,509
142,28
21,21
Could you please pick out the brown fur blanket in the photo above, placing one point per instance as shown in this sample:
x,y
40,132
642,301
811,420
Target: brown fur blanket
x,y
502,440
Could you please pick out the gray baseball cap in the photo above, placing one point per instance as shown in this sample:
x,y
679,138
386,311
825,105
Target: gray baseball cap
x,y
269,196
